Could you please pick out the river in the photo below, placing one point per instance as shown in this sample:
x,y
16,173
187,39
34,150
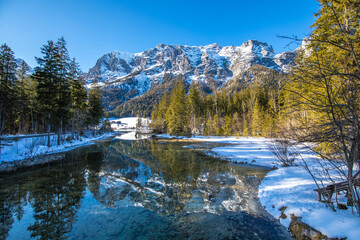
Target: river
x,y
135,190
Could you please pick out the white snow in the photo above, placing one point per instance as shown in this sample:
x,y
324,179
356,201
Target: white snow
x,y
131,136
118,124
127,57
292,187
143,68
29,147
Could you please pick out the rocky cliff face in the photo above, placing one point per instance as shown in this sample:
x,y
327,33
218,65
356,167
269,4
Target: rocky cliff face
x,y
124,76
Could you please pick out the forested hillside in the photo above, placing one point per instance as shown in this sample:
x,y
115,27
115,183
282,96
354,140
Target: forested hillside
x,y
252,109
132,83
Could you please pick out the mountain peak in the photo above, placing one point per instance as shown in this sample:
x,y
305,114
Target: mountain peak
x,y
161,46
258,48
254,42
128,75
213,45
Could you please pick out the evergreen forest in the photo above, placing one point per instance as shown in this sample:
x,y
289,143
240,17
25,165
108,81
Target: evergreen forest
x,y
51,98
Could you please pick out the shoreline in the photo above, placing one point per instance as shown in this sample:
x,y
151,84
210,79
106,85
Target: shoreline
x,y
286,193
52,154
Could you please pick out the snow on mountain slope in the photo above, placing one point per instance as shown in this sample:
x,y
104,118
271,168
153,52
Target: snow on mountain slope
x,y
131,75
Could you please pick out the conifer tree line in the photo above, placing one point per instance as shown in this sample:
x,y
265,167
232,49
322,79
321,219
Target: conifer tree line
x,y
51,99
251,111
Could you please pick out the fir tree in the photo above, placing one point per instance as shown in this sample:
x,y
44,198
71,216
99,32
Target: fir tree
x,y
256,119
208,127
7,80
216,125
46,75
176,115
95,110
22,89
159,114
78,95
62,85
245,128
138,123
228,125
194,106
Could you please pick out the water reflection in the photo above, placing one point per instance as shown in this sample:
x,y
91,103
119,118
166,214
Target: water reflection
x,y
124,189
170,179
54,193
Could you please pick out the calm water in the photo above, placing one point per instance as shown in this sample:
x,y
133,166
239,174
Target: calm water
x,y
135,190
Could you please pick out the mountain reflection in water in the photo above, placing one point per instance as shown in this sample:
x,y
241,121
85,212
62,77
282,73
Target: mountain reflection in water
x,y
134,190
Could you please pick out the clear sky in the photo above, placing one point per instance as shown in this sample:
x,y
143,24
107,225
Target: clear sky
x,y
95,27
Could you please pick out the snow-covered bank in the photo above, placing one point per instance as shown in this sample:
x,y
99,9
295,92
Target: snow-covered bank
x,y
253,151
119,124
291,187
14,152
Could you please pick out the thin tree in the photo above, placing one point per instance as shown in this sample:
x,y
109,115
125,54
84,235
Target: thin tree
x,y
325,88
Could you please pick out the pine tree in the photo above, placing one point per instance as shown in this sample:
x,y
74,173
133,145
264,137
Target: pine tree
x,y
228,125
159,114
139,122
78,95
216,125
7,81
62,85
32,104
176,115
21,90
236,123
46,75
95,110
256,119
208,127
245,128
194,106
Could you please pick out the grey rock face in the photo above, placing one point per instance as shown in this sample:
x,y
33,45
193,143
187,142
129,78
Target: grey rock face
x,y
135,74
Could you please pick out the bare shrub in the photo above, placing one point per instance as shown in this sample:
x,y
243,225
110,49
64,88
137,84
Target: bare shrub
x,y
283,151
33,144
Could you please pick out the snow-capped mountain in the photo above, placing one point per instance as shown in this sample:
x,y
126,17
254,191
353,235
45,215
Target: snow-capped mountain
x,y
129,75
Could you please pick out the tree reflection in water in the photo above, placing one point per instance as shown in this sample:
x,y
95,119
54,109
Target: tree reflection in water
x,y
165,178
54,192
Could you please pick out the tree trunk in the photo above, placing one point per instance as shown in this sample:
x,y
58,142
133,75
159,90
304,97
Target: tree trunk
x,y
36,125
59,133
77,126
2,121
21,127
49,128
353,197
62,134
72,126
32,121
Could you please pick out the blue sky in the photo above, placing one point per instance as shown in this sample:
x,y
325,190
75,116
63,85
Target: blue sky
x,y
94,27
